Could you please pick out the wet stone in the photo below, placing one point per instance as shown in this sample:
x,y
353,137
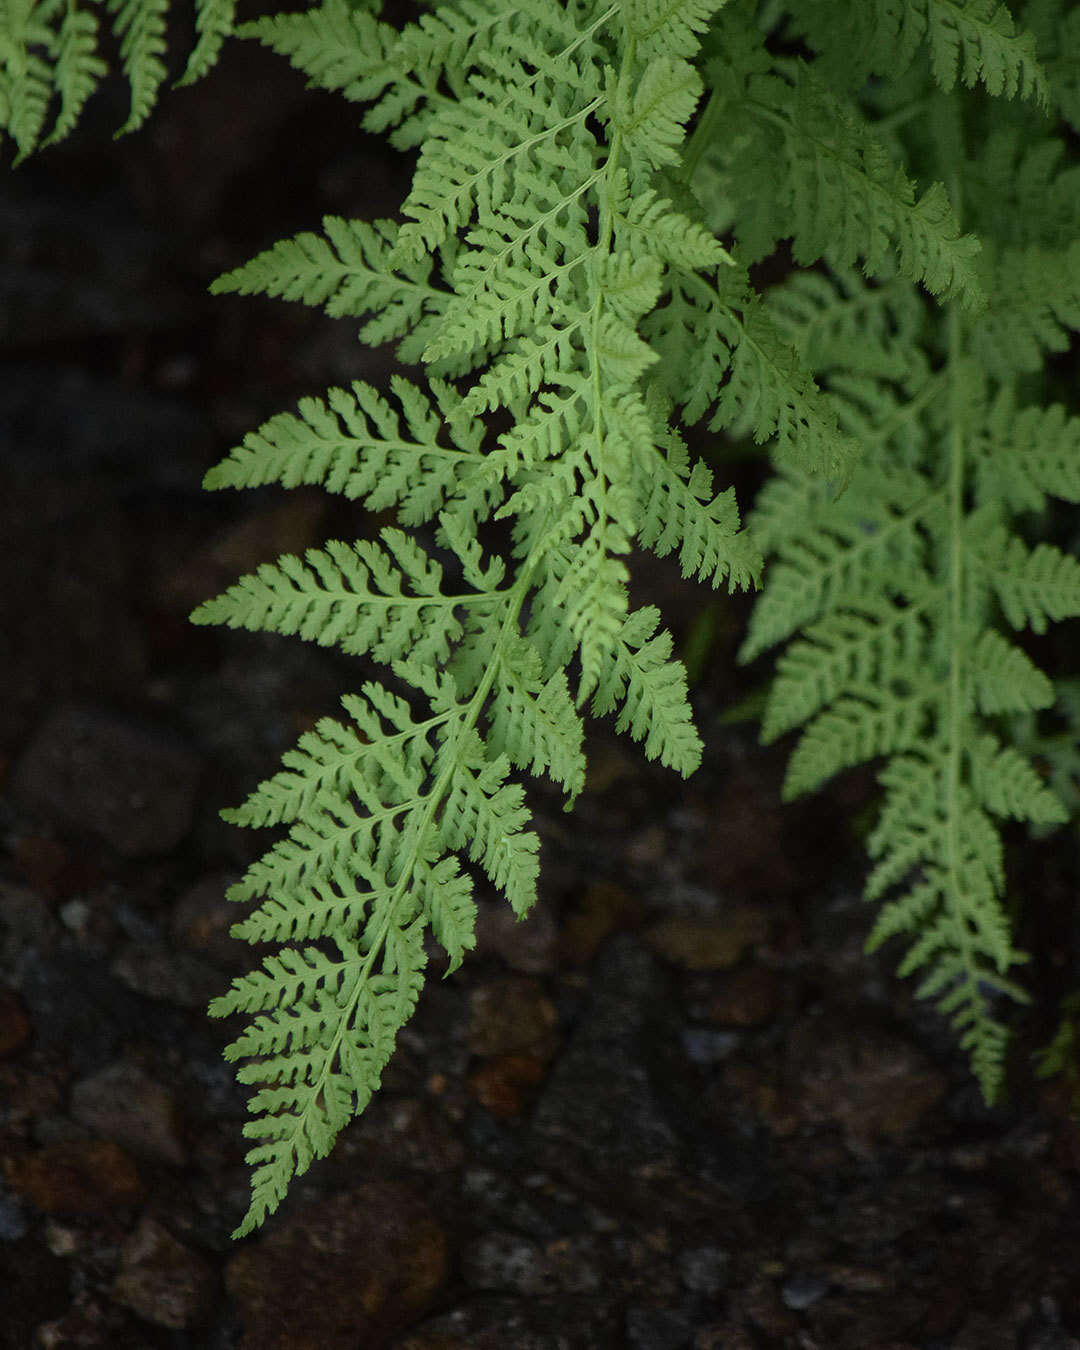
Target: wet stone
x,y
14,1024
201,919
600,1099
159,972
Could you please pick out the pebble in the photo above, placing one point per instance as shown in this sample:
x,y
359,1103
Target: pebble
x,y
803,1291
505,1084
14,1023
159,972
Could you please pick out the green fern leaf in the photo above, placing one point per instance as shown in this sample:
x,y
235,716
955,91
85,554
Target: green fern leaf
x,y
979,38
140,26
354,444
214,22
79,69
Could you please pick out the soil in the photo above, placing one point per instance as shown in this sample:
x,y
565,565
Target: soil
x,y
677,1109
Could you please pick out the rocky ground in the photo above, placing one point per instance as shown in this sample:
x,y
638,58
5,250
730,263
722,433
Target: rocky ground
x,y
679,1109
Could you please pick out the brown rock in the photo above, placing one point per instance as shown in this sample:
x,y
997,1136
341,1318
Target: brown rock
x,y
870,1083
76,1177
14,1023
123,1103
510,1015
162,1280
604,908
747,998
505,1083
355,1270
708,942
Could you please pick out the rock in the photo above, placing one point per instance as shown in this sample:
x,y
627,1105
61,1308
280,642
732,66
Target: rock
x,y
89,771
201,919
746,998
25,922
76,1176
704,1270
162,1280
604,908
651,1328
869,1082
708,942
505,1262
504,1323
510,1015
14,1023
159,972
527,945
123,1103
355,1269
600,1099
803,1291
504,1084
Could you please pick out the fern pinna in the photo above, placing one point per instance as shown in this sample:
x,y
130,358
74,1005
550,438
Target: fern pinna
x,y
559,264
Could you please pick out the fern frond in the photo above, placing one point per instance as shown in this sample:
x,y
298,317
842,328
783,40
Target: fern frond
x,y
678,511
140,26
978,40
771,393
1034,586
975,38
27,74
1005,679
78,70
345,48
215,20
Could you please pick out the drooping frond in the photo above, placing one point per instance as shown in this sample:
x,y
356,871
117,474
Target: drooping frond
x,y
49,58
975,40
